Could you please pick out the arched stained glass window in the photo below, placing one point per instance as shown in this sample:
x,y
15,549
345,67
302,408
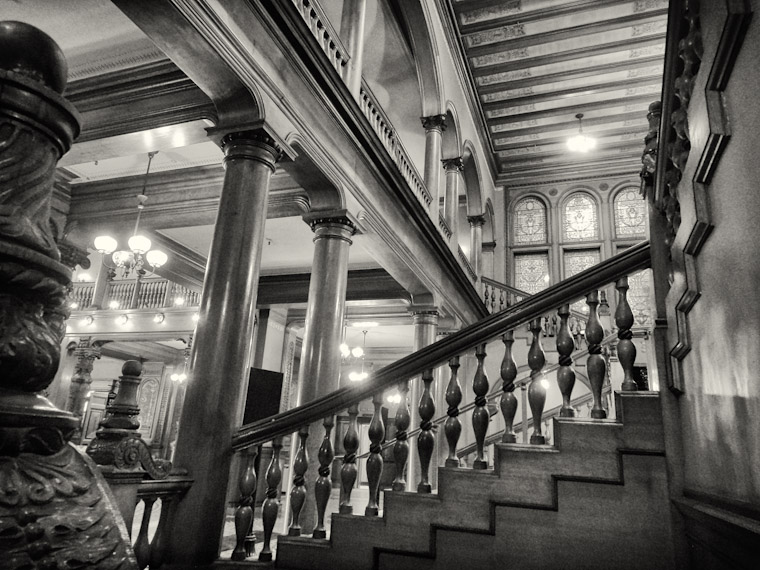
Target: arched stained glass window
x,y
579,221
530,222
630,211
640,298
531,272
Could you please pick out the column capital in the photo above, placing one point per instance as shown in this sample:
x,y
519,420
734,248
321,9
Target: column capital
x,y
424,315
256,144
317,220
477,220
453,164
434,122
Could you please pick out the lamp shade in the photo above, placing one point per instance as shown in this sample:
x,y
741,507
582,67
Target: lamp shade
x,y
156,257
105,244
122,258
581,143
139,244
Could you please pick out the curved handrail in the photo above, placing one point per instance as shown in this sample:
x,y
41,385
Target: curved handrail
x,y
620,265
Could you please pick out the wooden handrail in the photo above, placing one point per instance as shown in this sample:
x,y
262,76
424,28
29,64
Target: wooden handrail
x,y
620,265
508,288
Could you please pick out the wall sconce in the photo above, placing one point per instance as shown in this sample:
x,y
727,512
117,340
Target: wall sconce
x,y
87,320
158,318
122,320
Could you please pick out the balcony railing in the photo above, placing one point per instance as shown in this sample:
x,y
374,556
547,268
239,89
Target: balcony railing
x,y
466,265
325,34
151,294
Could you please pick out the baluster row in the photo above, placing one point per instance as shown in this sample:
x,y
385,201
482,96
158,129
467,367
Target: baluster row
x,y
536,397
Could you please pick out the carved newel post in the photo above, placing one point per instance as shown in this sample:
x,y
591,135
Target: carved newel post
x,y
55,510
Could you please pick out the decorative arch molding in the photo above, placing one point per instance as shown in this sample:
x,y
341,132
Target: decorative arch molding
x,y
314,173
472,180
451,146
416,19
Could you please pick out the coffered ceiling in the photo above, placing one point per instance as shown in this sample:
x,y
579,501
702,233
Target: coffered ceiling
x,y
535,64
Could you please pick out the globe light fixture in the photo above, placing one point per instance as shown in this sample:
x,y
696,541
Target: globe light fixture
x,y
140,253
580,142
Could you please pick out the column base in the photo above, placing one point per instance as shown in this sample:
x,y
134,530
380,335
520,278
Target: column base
x,y
480,464
537,440
630,387
370,512
567,413
345,510
598,414
294,531
424,488
452,463
509,438
400,486
265,557
317,534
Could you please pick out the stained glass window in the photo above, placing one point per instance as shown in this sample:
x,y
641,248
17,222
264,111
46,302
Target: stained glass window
x,y
640,298
577,261
580,222
630,214
532,272
530,222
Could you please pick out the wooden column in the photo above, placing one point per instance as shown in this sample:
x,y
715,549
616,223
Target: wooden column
x,y
319,372
595,365
434,126
508,401
85,353
219,359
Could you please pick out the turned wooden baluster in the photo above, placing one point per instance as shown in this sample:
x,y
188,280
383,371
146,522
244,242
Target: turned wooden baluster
x,y
298,493
426,439
323,486
453,427
401,447
508,401
244,512
163,531
626,350
595,366
565,373
480,416
271,506
536,390
486,296
376,434
348,471
142,546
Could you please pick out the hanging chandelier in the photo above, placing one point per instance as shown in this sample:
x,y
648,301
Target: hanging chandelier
x,y
140,252
580,142
182,376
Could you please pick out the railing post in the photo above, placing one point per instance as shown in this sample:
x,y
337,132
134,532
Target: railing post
x,y
348,471
480,416
401,447
323,486
508,401
595,365
142,546
536,390
453,427
426,438
298,493
626,350
565,373
271,504
244,512
376,433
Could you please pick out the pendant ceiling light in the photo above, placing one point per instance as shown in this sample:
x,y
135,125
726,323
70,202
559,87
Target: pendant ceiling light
x,y
139,253
580,142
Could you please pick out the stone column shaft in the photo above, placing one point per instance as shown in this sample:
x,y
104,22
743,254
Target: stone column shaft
x,y
453,167
476,242
434,127
319,372
352,31
219,359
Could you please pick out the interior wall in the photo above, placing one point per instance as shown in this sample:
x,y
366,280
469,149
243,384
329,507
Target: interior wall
x,y
720,408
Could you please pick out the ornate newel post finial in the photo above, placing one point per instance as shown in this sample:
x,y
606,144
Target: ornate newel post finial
x,y
46,482
118,446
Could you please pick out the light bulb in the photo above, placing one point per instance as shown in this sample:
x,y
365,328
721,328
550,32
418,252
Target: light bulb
x,y
196,317
122,320
122,258
581,143
74,305
345,352
182,377
357,351
159,318
87,320
84,277
139,244
105,244
174,377
179,301
156,257
113,305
